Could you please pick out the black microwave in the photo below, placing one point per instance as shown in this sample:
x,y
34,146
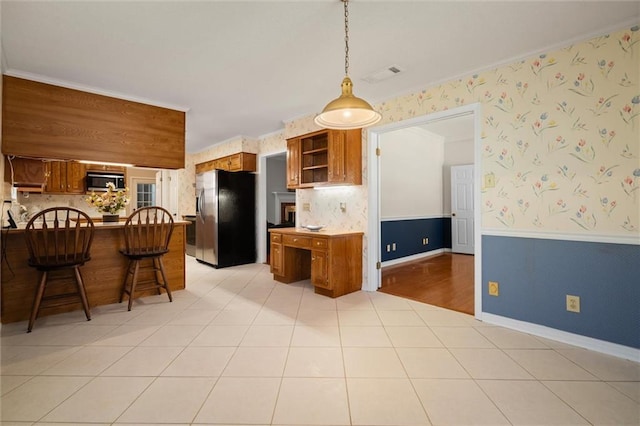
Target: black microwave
x,y
97,181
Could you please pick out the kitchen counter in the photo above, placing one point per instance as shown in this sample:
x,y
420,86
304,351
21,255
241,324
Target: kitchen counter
x,y
102,275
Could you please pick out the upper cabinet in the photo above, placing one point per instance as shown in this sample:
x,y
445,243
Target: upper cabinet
x,y
45,121
326,157
239,162
64,177
26,174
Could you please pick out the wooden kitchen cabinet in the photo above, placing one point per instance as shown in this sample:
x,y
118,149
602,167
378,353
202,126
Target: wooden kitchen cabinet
x,y
333,260
26,171
240,162
326,157
293,163
320,269
276,255
65,177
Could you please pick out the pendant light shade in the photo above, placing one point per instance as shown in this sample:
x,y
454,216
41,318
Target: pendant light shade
x,y
347,111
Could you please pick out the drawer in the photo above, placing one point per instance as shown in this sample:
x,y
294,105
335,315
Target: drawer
x,y
320,243
276,238
297,241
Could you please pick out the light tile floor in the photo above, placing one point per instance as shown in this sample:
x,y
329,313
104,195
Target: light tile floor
x,y
236,347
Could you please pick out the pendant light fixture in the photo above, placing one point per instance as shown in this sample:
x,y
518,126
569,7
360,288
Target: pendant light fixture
x,y
347,111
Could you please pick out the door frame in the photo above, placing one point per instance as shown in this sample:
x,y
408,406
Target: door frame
x,y
261,217
374,279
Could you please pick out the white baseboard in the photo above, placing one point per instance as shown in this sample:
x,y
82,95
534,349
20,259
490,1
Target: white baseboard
x,y
413,257
590,343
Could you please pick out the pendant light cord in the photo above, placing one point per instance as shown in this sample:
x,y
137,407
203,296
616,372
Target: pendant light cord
x,y
346,37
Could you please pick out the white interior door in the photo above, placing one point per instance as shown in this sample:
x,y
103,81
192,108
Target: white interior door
x,y
167,190
462,240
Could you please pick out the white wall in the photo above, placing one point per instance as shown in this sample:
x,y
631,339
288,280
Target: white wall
x,y
456,153
411,174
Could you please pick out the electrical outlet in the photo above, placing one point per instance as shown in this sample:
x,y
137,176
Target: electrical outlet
x,y
306,207
573,303
343,207
393,246
494,288
388,248
425,241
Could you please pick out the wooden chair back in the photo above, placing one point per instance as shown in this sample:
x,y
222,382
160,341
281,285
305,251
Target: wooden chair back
x,y
147,231
59,237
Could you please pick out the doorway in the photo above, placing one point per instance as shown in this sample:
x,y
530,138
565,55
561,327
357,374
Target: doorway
x,y
471,112
274,199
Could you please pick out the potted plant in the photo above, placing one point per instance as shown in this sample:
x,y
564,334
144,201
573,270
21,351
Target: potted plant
x,y
109,203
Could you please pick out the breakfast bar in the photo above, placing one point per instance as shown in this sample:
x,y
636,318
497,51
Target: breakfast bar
x,y
102,275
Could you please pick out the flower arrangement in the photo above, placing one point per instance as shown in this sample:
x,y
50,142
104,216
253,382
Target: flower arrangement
x,y
110,202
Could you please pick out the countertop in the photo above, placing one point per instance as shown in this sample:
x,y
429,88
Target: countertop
x,y
97,225
322,232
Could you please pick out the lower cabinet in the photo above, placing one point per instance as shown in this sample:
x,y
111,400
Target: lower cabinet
x,y
320,269
333,260
276,258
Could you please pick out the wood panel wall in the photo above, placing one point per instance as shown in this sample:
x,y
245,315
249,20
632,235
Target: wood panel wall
x,y
46,121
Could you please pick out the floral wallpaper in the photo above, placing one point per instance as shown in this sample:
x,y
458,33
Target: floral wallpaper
x,y
561,137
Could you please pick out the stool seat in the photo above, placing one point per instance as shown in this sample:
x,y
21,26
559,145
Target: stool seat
x,y
58,238
147,233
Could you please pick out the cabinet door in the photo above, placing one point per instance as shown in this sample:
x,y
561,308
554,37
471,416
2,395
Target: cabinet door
x,y
293,163
337,156
56,172
320,269
234,162
75,177
277,258
25,171
221,164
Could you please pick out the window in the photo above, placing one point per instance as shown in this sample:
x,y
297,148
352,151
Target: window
x,y
145,195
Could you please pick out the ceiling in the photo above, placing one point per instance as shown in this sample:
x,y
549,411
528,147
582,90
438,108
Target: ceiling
x,y
245,67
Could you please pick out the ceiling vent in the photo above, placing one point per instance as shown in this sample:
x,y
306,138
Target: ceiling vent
x,y
383,74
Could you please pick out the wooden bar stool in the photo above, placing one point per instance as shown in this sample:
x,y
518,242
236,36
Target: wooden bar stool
x,y
147,232
58,238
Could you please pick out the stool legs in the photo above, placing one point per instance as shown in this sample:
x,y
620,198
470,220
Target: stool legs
x,y
37,300
164,279
133,269
83,293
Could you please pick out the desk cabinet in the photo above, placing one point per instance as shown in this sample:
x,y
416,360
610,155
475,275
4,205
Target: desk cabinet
x,y
332,260
276,254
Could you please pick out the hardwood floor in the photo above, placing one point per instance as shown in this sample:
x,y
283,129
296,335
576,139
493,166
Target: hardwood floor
x,y
444,280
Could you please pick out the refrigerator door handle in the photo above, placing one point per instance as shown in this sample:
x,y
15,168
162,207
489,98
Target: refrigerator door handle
x,y
201,204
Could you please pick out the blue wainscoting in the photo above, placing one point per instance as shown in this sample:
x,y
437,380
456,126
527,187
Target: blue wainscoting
x,y
408,234
535,275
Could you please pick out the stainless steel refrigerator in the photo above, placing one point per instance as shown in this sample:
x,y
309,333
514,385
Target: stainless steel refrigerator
x,y
225,218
